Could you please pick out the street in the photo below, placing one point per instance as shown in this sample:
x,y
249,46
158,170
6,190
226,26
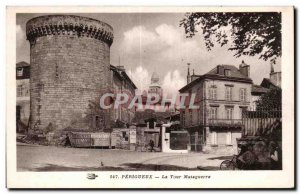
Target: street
x,y
49,158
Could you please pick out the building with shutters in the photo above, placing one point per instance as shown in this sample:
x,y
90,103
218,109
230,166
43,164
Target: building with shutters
x,y
220,95
23,95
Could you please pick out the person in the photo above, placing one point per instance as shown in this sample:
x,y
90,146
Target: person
x,y
247,159
275,156
67,141
151,145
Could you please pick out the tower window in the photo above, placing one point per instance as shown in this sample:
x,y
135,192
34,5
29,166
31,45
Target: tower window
x,y
56,71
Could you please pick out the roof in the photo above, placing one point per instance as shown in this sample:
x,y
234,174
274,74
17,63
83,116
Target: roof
x,y
22,70
142,116
122,75
218,73
235,72
22,64
266,83
154,78
174,117
128,79
257,89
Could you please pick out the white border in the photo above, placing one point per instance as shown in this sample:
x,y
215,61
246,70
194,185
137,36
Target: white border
x,y
235,179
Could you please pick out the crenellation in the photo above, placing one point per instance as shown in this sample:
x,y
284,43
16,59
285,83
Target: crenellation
x,y
64,25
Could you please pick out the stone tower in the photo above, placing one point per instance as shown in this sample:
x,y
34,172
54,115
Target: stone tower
x,y
70,67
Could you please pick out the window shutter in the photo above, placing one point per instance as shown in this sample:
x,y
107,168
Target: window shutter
x,y
229,138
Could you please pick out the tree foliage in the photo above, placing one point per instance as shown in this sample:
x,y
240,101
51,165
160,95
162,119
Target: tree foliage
x,y
271,100
251,33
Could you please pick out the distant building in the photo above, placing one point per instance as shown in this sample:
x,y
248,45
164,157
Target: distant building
x,y
155,89
148,126
256,92
221,94
23,95
121,83
273,82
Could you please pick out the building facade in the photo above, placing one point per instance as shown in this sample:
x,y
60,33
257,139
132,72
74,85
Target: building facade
x,y
220,96
23,96
121,83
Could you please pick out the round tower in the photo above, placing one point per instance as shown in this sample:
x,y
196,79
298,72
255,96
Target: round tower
x,y
70,70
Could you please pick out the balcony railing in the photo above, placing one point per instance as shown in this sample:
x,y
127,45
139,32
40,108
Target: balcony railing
x,y
225,122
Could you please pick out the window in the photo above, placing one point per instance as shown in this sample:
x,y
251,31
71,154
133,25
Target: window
x,y
227,72
56,71
212,93
214,138
183,118
191,117
124,136
242,109
229,138
213,113
97,121
229,113
199,116
20,90
20,72
243,94
228,93
151,124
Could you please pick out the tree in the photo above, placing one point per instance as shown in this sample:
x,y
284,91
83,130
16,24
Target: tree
x,y
251,33
270,100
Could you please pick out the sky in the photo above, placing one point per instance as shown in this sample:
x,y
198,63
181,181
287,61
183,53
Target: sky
x,y
153,42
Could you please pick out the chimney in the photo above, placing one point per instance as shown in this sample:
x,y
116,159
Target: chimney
x,y
220,69
193,77
120,68
275,77
272,68
188,77
244,69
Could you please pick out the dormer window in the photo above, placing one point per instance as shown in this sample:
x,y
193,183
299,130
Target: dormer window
x,y
227,72
19,71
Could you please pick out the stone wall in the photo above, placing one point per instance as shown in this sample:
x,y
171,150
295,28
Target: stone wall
x,y
69,57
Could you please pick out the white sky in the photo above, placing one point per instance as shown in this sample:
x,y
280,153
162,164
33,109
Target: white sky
x,y
154,42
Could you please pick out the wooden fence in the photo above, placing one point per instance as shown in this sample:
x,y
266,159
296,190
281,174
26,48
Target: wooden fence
x,y
256,123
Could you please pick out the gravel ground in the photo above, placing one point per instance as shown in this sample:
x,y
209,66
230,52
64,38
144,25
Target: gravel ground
x,y
49,158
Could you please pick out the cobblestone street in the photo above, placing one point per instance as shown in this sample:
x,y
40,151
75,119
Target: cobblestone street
x,y
48,158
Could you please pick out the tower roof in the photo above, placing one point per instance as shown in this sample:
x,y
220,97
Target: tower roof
x,y
154,78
